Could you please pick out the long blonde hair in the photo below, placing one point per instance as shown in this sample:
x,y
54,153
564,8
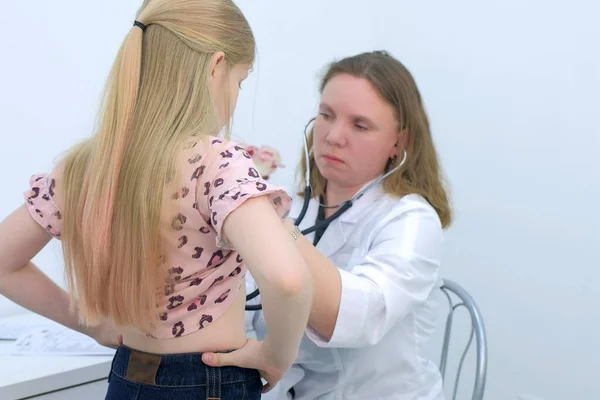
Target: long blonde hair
x,y
422,172
156,100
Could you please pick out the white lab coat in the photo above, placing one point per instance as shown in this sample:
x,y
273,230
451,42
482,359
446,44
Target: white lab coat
x,y
389,252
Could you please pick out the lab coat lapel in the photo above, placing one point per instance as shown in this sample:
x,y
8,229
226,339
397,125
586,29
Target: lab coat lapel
x,y
337,233
333,238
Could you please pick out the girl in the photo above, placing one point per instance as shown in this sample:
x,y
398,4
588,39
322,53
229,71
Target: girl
x,y
158,219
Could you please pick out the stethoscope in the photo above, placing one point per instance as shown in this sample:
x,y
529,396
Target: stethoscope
x,y
306,201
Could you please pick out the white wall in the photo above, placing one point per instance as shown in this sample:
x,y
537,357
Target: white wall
x,y
512,91
55,56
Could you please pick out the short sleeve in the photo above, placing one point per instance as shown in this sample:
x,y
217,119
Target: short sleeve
x,y
40,202
230,178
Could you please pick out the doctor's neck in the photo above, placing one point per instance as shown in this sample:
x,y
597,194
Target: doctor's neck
x,y
335,195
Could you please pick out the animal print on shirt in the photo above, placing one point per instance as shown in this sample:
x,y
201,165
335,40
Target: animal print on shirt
x,y
224,192
40,202
204,273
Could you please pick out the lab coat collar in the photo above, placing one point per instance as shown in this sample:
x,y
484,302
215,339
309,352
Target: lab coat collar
x,y
360,206
336,234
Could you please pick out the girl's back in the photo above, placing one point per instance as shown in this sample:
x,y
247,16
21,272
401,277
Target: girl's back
x,y
201,296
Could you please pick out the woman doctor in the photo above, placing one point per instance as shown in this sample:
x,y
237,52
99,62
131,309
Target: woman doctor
x,y
376,268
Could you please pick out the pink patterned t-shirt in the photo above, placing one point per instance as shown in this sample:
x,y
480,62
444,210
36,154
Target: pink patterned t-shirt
x,y
205,272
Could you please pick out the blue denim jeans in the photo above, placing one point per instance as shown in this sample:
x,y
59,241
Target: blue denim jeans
x,y
145,376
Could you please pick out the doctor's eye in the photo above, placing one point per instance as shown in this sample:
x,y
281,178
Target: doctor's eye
x,y
361,127
324,115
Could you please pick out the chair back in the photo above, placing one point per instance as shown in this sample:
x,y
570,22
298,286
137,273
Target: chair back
x,y
453,291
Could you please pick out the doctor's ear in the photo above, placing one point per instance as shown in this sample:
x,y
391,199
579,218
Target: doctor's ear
x,y
401,143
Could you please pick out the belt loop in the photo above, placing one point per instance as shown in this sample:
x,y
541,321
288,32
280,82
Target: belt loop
x,y
213,377
112,367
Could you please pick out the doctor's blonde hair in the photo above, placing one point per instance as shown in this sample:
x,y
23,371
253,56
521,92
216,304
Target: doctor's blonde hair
x,y
422,172
156,101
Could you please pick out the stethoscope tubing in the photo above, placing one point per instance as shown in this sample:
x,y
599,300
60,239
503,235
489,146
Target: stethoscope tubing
x,y
306,201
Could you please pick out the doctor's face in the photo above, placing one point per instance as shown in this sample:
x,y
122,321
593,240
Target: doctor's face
x,y
355,132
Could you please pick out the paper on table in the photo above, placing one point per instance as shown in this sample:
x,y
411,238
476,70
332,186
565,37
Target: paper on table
x,y
58,341
14,326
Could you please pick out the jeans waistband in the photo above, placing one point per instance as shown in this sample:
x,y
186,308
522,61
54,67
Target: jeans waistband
x,y
175,370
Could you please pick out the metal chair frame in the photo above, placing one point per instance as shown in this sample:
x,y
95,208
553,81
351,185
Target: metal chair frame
x,y
477,331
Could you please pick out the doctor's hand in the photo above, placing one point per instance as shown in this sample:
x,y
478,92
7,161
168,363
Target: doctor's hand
x,y
254,355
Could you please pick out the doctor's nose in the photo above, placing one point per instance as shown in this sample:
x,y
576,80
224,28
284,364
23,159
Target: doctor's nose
x,y
336,135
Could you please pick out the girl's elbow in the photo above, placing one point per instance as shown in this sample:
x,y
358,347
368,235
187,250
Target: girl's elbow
x,y
296,284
